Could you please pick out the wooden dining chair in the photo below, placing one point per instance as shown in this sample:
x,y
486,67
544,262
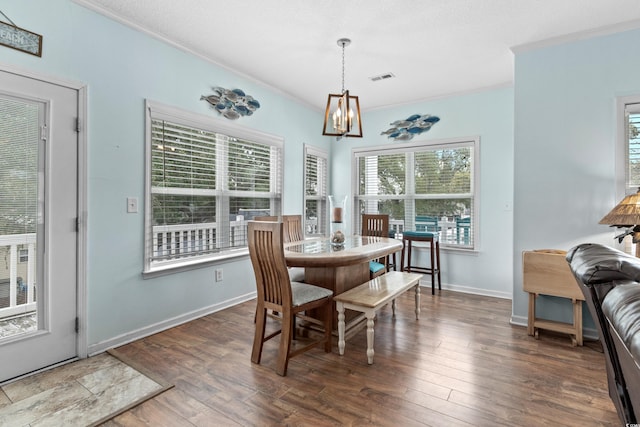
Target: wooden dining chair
x,y
292,232
377,225
265,218
292,228
278,293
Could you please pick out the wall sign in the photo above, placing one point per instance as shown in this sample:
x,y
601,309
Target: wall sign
x,y
20,39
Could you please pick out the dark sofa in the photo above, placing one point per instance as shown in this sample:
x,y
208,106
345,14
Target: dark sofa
x,y
610,281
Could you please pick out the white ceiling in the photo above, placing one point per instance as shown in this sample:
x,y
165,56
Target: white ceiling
x,y
433,47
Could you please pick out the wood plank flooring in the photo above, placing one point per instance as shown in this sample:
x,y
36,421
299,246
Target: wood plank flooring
x,y
461,364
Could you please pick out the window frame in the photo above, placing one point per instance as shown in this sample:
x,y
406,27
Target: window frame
x,y
625,105
323,214
158,111
411,196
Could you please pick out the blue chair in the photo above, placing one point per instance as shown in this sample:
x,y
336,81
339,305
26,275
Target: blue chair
x,y
427,223
463,229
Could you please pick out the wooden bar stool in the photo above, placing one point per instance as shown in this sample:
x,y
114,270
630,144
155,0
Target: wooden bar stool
x,y
434,255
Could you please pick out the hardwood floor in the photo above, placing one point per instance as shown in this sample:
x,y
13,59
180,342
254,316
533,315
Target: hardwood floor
x,y
462,363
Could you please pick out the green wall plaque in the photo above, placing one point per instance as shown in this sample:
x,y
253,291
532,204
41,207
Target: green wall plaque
x,y
20,39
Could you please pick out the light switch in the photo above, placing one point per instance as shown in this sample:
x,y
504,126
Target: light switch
x,y
132,205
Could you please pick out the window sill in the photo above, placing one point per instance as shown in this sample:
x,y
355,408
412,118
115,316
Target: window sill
x,y
182,266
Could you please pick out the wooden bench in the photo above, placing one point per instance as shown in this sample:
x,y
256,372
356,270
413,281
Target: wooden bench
x,y
370,297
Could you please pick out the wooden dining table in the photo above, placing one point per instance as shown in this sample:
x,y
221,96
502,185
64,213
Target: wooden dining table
x,y
339,269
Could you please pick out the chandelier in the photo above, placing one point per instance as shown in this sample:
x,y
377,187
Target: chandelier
x,y
342,116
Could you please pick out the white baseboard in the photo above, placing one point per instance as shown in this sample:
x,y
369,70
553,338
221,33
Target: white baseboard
x,y
468,290
165,324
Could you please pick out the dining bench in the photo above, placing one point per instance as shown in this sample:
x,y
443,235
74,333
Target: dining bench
x,y
369,297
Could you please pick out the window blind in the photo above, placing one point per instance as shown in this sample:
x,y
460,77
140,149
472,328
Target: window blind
x,y
205,187
632,131
316,173
19,137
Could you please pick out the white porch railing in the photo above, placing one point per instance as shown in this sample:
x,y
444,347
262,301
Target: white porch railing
x,y
184,239
171,241
18,287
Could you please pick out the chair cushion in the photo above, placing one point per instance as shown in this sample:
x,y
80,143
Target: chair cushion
x,y
420,234
296,274
303,293
374,266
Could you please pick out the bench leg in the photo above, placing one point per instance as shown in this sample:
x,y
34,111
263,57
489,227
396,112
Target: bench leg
x,y
340,307
417,301
370,316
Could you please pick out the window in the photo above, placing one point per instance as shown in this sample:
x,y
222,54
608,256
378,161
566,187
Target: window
x,y
631,125
23,255
316,178
205,180
428,186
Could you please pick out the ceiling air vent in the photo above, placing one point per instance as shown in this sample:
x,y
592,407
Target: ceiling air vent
x,y
382,77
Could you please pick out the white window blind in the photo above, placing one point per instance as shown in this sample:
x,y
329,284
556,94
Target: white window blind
x,y
206,182
632,139
422,187
316,173
19,136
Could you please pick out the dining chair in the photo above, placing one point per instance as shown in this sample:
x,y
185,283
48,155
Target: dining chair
x,y
278,293
292,228
265,218
292,232
377,225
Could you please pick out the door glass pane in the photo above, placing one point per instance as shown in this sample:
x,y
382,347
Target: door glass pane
x,y
19,139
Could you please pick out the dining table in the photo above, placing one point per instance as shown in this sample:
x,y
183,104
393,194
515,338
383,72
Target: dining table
x,y
339,268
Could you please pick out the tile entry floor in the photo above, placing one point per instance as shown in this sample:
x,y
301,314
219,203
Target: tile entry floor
x,y
81,393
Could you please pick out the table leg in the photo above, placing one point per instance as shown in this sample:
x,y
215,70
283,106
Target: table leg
x,y
577,320
417,300
340,307
393,308
370,316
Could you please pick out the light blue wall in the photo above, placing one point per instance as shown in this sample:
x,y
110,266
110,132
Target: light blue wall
x,y
565,147
489,115
121,68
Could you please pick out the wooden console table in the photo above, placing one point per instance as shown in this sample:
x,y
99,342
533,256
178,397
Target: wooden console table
x,y
546,272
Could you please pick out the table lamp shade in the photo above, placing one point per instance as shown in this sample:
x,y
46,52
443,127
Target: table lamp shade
x,y
626,213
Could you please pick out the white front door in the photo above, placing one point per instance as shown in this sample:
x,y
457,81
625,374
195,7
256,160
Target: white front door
x,y
38,223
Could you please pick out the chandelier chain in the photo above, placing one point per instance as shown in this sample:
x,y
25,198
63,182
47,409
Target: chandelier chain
x,y
343,67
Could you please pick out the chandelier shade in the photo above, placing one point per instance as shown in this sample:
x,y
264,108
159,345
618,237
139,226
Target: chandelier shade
x,y
342,115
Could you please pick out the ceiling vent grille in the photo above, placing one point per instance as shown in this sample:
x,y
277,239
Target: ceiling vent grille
x,y
384,76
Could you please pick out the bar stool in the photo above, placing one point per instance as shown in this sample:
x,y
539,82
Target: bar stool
x,y
434,249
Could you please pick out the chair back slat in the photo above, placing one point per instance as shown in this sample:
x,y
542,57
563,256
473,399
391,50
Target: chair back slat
x,y
376,225
269,264
293,228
